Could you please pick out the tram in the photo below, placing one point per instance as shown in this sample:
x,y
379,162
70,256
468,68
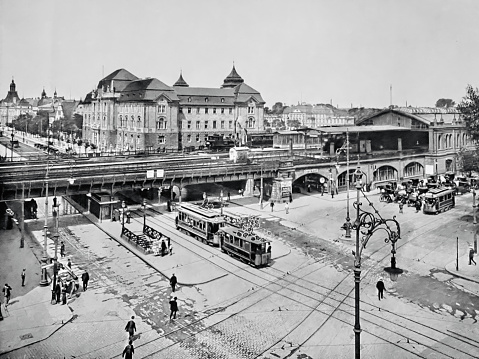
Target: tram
x,y
438,200
200,223
247,246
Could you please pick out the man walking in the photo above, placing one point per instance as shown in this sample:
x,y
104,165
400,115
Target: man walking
x,y
401,205
471,256
85,277
23,277
173,308
128,351
131,327
380,287
272,206
173,282
7,292
286,207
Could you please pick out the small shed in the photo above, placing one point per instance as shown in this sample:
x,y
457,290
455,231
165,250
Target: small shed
x,y
239,153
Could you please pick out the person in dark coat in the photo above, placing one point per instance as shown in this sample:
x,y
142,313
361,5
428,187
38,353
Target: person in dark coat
x,y
58,291
7,292
418,205
173,282
69,264
128,351
64,294
173,308
62,249
85,277
471,256
131,327
380,287
23,277
272,205
163,247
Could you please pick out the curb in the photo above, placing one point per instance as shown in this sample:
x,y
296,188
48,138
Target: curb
x,y
455,273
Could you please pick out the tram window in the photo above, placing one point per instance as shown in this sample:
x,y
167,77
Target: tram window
x,y
247,246
253,247
241,242
236,241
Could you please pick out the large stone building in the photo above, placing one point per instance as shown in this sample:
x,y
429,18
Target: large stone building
x,y
128,113
315,116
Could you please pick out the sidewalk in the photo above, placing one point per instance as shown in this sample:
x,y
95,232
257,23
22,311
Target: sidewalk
x,y
29,317
466,271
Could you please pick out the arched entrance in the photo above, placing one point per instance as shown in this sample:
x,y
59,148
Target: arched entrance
x,y
342,184
311,182
385,174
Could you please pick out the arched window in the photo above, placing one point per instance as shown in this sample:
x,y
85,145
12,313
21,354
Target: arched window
x,y
385,173
413,169
161,124
251,122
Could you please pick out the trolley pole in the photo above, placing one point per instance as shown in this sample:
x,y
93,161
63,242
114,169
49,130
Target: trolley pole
x,y
457,253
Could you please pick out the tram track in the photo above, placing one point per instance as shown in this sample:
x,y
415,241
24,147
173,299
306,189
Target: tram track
x,y
385,327
403,317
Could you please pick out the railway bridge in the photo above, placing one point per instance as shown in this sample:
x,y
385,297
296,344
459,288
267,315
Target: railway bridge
x,y
70,177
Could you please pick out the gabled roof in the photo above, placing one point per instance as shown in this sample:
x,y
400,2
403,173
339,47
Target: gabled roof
x,y
147,90
424,115
121,75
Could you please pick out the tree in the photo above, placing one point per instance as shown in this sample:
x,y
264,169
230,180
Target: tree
x,y
469,108
445,102
277,108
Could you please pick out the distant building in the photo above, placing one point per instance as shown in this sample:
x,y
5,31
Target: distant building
x,y
128,113
315,116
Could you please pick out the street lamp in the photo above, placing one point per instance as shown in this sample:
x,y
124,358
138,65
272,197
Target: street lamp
x,y
123,207
143,205
44,280
56,214
13,135
365,225
347,225
221,199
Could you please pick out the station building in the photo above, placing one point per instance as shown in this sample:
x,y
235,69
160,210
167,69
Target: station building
x,y
393,145
126,113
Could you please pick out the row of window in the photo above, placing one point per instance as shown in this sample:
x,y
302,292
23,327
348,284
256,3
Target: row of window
x,y
207,110
161,123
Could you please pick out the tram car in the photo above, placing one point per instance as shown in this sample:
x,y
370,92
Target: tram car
x,y
260,140
438,200
249,247
200,223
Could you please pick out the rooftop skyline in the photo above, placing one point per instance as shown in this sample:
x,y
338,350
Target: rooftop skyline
x,y
314,51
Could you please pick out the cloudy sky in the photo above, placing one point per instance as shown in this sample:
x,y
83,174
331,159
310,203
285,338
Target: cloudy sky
x,y
347,52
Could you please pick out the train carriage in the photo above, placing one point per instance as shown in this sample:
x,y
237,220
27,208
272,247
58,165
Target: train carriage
x,y
438,200
249,247
200,223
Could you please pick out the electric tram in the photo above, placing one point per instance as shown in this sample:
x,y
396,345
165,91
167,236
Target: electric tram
x,y
200,223
247,246
438,200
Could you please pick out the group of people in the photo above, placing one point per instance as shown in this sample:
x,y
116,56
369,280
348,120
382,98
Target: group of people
x,y
130,327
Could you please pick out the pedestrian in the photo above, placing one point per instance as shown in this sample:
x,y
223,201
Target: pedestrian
x,y
173,282
7,292
309,188
286,207
173,308
85,277
418,205
62,249
229,196
163,247
290,197
64,294
471,256
128,216
23,277
58,291
128,351
131,327
69,264
401,205
380,287
272,206
170,249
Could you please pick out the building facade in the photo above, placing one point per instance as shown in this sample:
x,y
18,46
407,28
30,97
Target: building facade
x,y
315,116
125,113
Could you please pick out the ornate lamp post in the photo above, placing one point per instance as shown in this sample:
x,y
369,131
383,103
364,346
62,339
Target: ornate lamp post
x,y
56,214
143,206
365,225
44,280
474,221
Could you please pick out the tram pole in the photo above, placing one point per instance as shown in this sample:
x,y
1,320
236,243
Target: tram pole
x,y
474,221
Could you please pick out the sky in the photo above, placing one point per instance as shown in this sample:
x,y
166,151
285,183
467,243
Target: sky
x,y
349,53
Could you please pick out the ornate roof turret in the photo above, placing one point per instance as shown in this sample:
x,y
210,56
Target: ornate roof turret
x,y
44,94
181,82
12,86
233,79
